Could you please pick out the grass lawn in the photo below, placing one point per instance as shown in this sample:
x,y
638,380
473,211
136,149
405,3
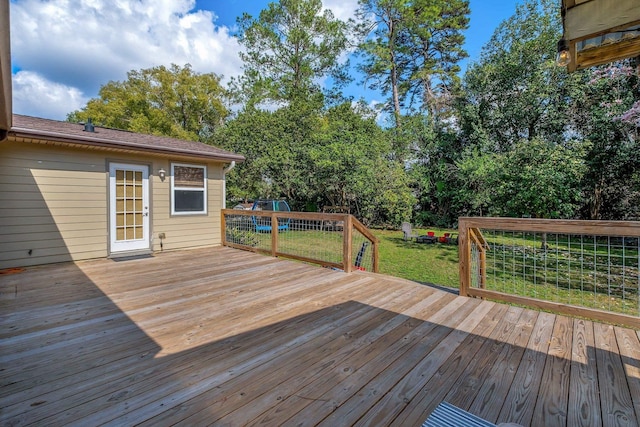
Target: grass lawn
x,y
421,262
516,265
427,263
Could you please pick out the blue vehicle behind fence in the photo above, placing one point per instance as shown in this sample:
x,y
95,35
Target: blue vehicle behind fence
x,y
263,224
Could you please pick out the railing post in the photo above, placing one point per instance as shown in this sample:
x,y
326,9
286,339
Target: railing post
x,y
483,269
274,234
375,257
347,243
223,227
464,253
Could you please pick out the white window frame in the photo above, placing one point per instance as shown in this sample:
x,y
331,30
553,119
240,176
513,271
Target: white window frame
x,y
203,190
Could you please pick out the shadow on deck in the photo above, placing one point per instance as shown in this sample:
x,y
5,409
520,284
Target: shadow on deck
x,y
220,336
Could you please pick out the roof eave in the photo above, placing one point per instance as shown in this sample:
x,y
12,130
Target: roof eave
x,y
108,143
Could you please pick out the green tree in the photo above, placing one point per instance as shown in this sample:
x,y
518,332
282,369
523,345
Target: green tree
x,y
436,149
516,91
339,157
383,55
412,49
539,178
604,117
350,166
476,180
250,133
434,36
173,101
288,49
536,178
276,145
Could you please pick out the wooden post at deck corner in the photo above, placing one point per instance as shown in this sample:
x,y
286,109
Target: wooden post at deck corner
x,y
347,244
375,256
223,227
464,254
483,268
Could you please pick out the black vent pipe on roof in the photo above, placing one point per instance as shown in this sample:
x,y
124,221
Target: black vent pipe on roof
x,y
88,127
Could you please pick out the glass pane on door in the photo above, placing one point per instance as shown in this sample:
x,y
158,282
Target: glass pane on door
x,y
129,205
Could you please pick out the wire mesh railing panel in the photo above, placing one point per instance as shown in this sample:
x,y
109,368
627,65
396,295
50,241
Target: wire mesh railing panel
x,y
476,273
311,239
593,271
362,252
240,230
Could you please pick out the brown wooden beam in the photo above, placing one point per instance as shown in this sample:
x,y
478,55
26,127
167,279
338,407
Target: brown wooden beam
x,y
608,53
570,310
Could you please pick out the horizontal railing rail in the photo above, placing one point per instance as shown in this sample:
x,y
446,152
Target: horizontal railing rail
x,y
337,241
580,268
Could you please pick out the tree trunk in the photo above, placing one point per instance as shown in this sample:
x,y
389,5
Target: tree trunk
x,y
544,245
395,93
596,202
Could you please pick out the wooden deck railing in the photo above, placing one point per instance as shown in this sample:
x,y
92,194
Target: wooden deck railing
x,y
331,240
580,268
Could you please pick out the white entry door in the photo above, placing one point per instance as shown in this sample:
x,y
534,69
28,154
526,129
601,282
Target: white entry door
x,y
129,207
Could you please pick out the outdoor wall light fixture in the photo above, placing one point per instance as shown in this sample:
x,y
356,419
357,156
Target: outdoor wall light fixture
x,y
564,55
162,174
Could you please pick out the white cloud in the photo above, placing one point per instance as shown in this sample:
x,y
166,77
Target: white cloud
x,y
381,115
372,109
34,95
342,9
82,44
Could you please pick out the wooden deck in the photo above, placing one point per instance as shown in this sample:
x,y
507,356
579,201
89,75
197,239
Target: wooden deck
x,y
225,337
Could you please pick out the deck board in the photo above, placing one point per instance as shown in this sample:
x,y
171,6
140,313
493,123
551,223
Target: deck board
x,y
617,406
437,387
495,385
520,401
552,401
252,385
225,337
411,368
629,345
466,388
584,404
312,395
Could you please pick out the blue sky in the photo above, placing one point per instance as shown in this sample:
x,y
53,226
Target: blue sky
x,y
64,50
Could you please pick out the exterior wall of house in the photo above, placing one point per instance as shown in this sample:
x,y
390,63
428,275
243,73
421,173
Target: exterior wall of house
x,y
53,207
185,231
54,204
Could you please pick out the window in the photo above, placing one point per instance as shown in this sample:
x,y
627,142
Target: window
x,y
188,189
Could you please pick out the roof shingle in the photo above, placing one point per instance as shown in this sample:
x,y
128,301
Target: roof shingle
x,y
74,133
